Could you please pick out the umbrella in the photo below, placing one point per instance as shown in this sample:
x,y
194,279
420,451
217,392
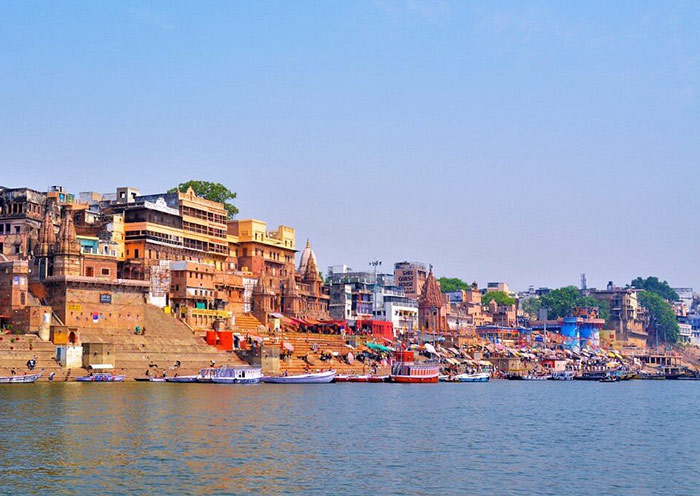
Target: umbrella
x,y
430,348
350,357
288,346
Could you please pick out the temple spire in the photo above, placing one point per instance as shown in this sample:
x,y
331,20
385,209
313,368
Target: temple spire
x,y
47,235
67,239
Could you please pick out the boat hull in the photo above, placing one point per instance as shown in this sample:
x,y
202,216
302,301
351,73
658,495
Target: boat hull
x,y
113,378
183,379
233,380
20,379
483,377
319,378
415,379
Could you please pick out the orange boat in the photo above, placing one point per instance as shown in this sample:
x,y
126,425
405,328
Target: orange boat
x,y
406,371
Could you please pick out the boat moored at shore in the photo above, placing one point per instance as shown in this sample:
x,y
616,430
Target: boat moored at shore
x,y
312,378
21,379
238,375
406,371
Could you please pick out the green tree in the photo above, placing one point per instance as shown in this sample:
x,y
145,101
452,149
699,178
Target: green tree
x,y
500,297
449,284
661,317
603,306
653,284
561,302
531,306
211,191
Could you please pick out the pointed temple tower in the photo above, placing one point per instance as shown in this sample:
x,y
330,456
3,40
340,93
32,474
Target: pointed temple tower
x,y
307,256
291,301
432,314
43,261
310,275
67,254
264,298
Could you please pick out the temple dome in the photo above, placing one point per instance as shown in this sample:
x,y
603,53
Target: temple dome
x,y
306,256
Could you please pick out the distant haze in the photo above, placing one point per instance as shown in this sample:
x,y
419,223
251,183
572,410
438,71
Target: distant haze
x,y
524,142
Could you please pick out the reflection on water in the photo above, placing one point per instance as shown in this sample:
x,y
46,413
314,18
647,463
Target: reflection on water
x,y
501,438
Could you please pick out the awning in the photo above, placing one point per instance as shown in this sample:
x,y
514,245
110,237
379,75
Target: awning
x,y
288,346
485,362
101,366
256,338
378,347
276,315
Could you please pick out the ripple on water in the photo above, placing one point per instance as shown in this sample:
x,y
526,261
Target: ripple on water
x,y
502,438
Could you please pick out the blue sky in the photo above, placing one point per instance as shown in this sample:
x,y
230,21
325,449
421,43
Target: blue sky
x,y
518,141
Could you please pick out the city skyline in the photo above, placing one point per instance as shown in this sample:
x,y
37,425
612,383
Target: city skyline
x,y
525,144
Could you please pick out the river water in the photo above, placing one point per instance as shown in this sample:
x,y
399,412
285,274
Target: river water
x,y
503,437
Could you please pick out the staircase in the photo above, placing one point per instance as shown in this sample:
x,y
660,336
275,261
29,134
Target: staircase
x,y
165,341
246,322
17,349
303,354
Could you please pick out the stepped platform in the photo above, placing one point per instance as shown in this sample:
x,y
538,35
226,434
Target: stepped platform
x,y
165,341
17,349
308,349
246,322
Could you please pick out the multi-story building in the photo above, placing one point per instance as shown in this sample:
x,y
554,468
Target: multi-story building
x,y
152,232
21,214
258,247
410,276
627,317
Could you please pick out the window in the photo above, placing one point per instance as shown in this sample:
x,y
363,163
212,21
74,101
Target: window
x,y
89,271
105,271
17,229
136,253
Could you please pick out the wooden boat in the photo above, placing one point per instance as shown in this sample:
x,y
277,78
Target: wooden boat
x,y
476,377
156,379
609,378
591,376
182,378
101,377
532,377
237,375
205,375
647,376
367,378
342,378
315,378
21,379
406,371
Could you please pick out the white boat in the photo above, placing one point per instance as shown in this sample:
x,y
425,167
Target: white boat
x,y
564,375
21,379
157,379
316,378
535,377
238,375
476,377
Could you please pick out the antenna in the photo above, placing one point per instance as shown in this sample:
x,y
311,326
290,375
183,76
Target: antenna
x,y
584,287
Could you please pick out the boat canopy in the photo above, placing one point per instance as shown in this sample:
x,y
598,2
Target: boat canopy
x,y
379,347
